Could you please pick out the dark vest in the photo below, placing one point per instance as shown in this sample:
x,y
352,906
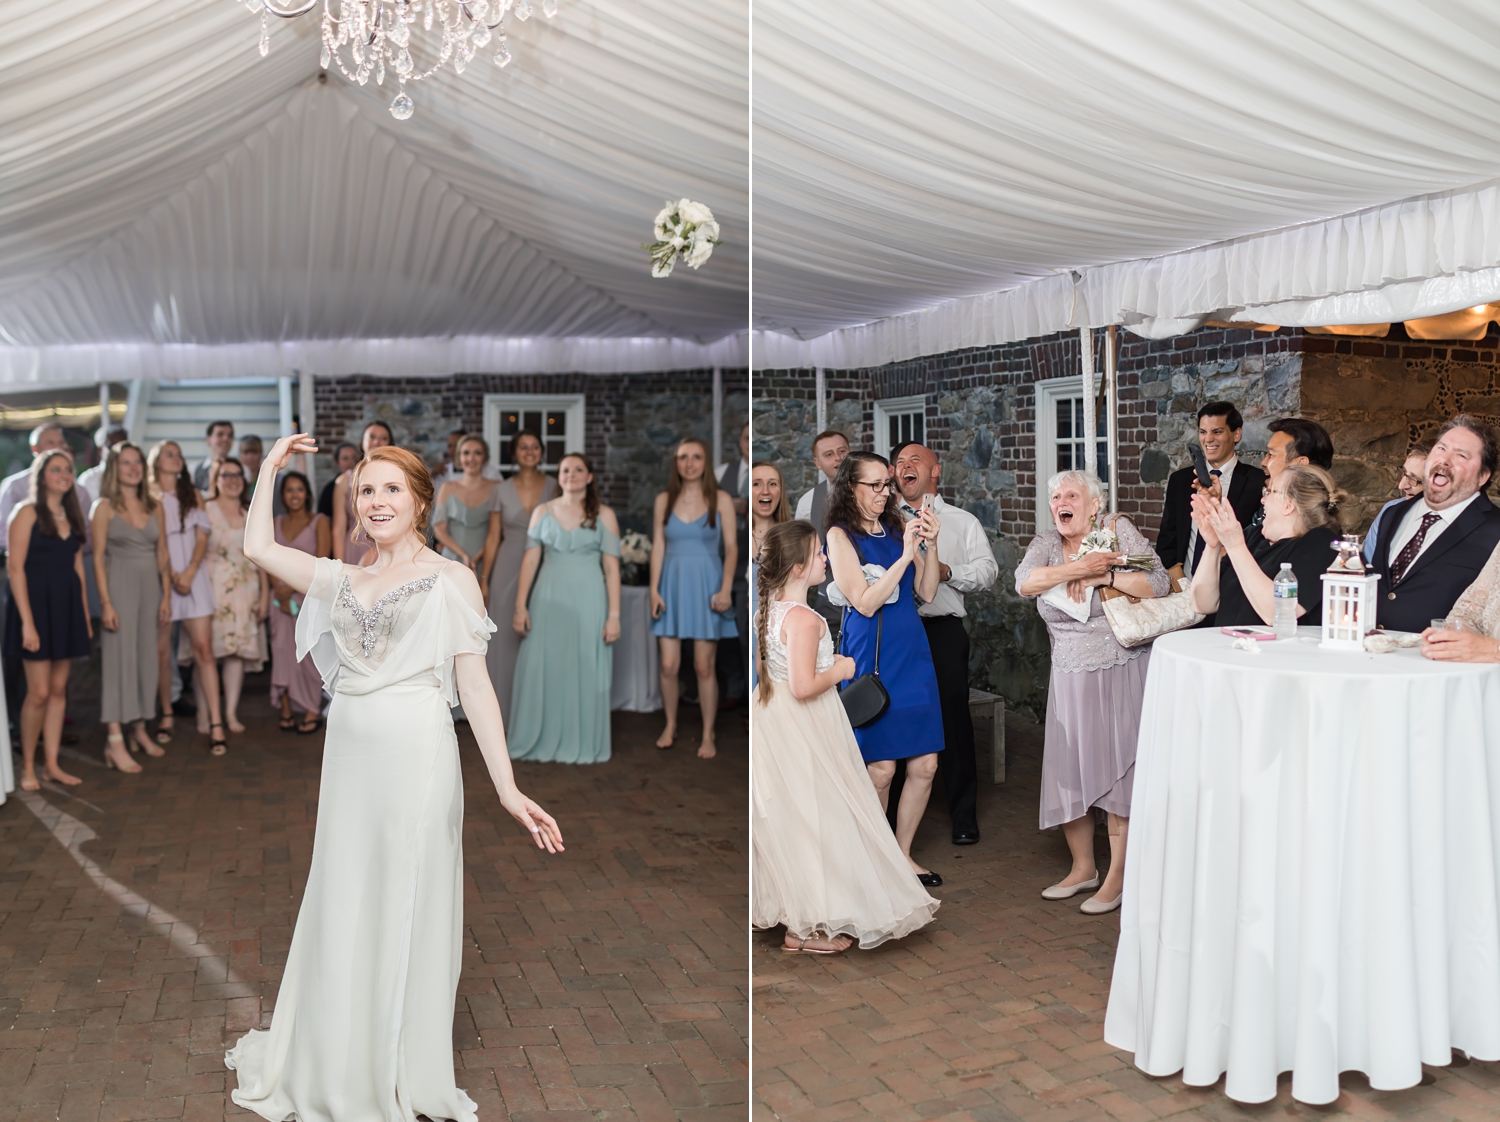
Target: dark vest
x,y
731,487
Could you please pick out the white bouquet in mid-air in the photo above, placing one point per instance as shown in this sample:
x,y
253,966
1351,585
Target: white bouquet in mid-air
x,y
635,548
685,231
1100,540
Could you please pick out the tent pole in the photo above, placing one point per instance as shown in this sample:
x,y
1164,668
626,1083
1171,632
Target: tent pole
x,y
718,448
104,404
820,391
307,415
1112,415
1090,421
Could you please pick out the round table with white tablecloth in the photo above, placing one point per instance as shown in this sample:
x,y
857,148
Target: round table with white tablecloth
x,y
636,685
1313,880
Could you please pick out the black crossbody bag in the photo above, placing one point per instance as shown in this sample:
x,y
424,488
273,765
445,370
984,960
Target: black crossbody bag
x,y
865,700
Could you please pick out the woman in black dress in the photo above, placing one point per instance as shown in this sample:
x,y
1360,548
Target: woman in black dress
x,y
1239,567
47,620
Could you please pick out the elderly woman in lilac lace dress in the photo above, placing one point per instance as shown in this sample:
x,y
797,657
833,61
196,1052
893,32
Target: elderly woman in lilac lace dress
x,y
1094,697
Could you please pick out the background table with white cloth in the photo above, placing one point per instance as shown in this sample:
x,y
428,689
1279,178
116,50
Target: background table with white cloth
x,y
636,684
1313,881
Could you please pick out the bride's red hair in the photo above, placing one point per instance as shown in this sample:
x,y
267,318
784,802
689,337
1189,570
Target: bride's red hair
x,y
418,481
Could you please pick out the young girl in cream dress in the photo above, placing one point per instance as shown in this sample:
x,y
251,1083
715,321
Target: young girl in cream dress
x,y
826,864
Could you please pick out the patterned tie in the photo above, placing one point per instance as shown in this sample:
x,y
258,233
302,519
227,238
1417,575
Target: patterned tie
x,y
1410,550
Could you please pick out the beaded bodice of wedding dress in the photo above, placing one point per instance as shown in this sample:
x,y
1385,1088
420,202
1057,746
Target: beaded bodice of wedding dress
x,y
776,653
371,633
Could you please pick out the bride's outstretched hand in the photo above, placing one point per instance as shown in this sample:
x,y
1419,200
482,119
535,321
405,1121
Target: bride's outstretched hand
x,y
542,825
288,446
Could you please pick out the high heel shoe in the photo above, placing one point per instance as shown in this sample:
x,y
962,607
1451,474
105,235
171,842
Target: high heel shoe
x,y
164,730
111,740
217,745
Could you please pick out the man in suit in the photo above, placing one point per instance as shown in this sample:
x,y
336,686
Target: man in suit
x,y
1220,428
829,449
1431,547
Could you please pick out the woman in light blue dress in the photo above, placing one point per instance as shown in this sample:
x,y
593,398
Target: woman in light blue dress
x,y
461,520
560,700
693,558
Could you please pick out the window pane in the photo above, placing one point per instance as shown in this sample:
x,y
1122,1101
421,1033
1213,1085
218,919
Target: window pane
x,y
533,421
916,427
1103,429
557,424
555,451
1078,416
508,451
895,430
1064,457
1065,419
510,424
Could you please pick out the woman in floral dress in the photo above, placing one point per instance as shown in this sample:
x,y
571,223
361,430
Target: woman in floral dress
x,y
242,592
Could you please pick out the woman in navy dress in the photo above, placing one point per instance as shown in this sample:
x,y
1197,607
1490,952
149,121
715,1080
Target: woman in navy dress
x,y
881,565
47,621
693,558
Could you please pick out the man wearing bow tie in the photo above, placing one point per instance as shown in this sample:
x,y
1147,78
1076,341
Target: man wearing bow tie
x,y
968,566
1220,428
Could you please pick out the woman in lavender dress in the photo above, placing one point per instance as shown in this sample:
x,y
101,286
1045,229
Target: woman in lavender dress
x,y
1095,693
295,684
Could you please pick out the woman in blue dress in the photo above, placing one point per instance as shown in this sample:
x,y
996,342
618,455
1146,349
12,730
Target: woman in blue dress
x,y
560,701
881,566
693,558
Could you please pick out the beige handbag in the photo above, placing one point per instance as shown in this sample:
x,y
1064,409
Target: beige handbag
x,y
1135,621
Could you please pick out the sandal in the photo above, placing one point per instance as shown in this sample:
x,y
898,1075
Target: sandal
x,y
805,949
287,724
117,740
304,729
164,730
217,745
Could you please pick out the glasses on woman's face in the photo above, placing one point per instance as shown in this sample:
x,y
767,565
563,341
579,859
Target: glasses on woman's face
x,y
878,487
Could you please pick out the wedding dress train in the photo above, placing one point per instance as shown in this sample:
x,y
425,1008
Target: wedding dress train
x,y
363,1025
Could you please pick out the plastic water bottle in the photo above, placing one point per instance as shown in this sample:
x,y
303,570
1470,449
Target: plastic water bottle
x,y
1285,589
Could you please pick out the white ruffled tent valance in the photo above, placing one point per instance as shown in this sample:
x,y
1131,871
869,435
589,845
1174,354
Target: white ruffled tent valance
x,y
1152,165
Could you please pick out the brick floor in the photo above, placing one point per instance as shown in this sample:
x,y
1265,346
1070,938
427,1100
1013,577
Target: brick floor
x,y
995,1012
609,983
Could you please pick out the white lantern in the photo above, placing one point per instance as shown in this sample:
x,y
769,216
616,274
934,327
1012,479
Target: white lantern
x,y
1349,601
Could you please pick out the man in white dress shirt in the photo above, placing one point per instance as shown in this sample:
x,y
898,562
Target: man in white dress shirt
x,y
105,439
220,439
14,488
829,449
968,566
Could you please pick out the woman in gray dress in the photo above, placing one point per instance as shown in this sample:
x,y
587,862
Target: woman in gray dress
x,y
462,521
511,508
133,574
1094,696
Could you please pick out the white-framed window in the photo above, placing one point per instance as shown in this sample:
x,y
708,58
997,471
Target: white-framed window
x,y
556,418
899,419
1059,437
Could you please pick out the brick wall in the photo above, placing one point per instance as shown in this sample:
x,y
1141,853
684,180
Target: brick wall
x,y
631,420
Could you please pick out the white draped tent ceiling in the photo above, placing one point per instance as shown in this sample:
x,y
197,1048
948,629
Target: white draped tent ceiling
x,y
174,205
937,176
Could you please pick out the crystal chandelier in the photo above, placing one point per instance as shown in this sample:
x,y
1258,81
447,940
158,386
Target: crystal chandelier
x,y
376,34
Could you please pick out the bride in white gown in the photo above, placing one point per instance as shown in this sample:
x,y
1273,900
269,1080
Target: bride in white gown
x,y
363,1025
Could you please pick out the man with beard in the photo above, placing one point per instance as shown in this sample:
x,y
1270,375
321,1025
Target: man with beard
x,y
968,566
1432,546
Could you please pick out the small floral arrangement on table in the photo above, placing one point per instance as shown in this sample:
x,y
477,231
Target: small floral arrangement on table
x,y
1100,540
635,558
685,230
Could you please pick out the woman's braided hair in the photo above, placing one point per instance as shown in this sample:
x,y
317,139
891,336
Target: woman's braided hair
x,y
786,545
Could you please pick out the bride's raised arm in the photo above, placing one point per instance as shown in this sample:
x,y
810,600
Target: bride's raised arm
x,y
290,566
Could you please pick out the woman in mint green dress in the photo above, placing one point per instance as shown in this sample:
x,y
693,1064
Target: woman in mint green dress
x,y
560,702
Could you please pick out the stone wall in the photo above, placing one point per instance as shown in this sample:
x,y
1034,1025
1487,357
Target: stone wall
x,y
1375,397
631,421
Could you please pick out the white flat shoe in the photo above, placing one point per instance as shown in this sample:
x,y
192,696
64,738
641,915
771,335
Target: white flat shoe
x,y
1067,892
1097,907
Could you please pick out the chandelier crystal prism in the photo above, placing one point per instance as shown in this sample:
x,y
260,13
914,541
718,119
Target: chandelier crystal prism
x,y
376,35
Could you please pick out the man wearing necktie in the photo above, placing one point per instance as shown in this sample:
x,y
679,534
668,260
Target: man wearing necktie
x,y
1220,428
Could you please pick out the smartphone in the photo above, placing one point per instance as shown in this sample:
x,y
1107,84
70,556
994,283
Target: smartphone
x,y
928,501
1200,466
1248,633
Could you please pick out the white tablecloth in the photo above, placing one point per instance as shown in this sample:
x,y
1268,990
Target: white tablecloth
x,y
637,673
1313,878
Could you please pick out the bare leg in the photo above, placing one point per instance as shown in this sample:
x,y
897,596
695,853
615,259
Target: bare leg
x,y
233,675
913,804
52,721
705,659
1114,880
1080,837
141,739
205,668
881,774
165,668
671,664
286,706
33,710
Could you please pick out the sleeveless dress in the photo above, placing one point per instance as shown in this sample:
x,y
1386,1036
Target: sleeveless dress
x,y
692,573
913,725
130,666
182,539
467,525
363,1027
825,860
236,586
505,576
560,709
289,675
56,599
